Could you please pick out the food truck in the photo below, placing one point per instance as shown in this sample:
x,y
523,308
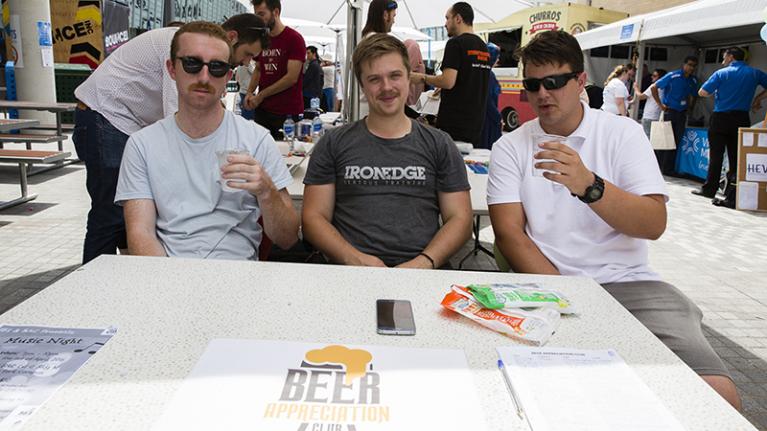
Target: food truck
x,y
516,30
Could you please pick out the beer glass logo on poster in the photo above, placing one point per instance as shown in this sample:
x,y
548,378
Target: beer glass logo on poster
x,y
333,387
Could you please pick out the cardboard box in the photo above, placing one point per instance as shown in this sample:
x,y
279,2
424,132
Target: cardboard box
x,y
752,169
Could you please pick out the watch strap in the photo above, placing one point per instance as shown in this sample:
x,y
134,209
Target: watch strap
x,y
598,184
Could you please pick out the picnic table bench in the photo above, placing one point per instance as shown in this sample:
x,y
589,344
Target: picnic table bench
x,y
65,127
56,108
24,158
30,138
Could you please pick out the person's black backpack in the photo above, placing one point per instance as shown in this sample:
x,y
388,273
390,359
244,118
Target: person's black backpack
x,y
595,96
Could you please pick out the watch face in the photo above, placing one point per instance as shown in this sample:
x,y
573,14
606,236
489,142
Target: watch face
x,y
595,193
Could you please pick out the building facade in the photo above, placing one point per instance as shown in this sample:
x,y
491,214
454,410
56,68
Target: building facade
x,y
634,7
148,14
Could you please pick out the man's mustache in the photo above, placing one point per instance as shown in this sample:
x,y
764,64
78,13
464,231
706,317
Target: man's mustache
x,y
205,87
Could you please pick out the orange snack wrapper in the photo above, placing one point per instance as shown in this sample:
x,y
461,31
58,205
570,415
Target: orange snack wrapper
x,y
533,327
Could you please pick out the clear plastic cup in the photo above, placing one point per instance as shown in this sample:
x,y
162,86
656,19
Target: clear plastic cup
x,y
539,139
222,156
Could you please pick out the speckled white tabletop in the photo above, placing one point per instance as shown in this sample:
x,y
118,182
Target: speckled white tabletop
x,y
167,310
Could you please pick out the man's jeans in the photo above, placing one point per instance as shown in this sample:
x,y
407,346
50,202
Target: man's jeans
x,y
246,113
329,96
100,145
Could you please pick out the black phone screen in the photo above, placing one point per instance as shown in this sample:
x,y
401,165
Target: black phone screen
x,y
395,317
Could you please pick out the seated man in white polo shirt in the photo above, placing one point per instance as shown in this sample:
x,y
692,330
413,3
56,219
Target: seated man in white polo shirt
x,y
591,211
170,181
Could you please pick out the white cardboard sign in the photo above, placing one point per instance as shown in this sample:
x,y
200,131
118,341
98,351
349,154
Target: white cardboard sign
x,y
756,167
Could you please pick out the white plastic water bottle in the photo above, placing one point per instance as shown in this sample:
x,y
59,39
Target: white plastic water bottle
x,y
304,132
289,131
316,129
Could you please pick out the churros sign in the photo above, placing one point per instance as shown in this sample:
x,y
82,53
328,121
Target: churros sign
x,y
333,388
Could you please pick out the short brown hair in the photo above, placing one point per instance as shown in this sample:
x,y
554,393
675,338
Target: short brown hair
x,y
376,46
200,27
552,47
249,27
270,4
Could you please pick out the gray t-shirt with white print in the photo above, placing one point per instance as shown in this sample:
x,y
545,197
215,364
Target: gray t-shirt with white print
x,y
386,189
195,218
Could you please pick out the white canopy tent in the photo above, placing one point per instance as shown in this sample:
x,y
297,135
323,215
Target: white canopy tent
x,y
410,13
702,23
325,34
433,50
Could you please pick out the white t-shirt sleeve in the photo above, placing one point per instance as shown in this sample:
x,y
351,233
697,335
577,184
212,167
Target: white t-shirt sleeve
x,y
648,92
637,170
133,182
621,90
615,89
505,173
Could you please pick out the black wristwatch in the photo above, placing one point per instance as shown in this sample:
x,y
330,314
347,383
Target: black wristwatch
x,y
593,192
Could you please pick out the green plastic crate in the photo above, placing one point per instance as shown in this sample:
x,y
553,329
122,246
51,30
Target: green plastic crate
x,y
68,77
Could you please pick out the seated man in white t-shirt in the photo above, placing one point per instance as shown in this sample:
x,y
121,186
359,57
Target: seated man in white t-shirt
x,y
170,182
591,212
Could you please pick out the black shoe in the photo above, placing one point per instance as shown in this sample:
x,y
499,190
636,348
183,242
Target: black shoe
x,y
723,203
705,194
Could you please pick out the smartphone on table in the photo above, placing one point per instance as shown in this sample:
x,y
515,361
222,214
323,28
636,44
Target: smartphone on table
x,y
395,317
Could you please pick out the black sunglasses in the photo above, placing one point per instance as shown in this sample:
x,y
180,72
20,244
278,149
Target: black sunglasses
x,y
551,82
194,65
391,5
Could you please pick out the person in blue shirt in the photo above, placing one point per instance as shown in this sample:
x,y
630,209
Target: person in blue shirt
x,y
733,88
680,88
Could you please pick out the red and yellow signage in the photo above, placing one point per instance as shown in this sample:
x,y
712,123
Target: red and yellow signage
x,y
77,32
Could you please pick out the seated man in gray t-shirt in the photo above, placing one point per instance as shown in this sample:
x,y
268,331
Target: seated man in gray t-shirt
x,y
170,182
376,188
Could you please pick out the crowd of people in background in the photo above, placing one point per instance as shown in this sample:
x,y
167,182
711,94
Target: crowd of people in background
x,y
674,95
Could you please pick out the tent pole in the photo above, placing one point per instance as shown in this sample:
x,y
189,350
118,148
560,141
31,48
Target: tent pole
x,y
336,12
353,36
410,14
638,77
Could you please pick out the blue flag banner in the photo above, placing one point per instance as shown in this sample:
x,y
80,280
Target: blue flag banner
x,y
692,153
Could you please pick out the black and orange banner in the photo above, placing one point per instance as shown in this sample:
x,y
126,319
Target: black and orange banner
x,y
115,24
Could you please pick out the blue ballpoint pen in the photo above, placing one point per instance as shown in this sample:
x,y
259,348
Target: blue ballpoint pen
x,y
511,390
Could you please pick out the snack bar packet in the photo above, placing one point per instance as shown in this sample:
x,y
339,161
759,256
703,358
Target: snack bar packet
x,y
534,327
498,296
